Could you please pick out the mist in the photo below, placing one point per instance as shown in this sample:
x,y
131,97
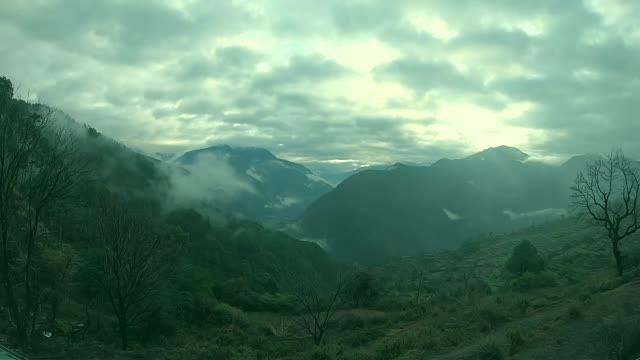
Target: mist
x,y
208,179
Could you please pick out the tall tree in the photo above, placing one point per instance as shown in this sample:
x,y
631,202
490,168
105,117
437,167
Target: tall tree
x,y
607,192
37,169
131,263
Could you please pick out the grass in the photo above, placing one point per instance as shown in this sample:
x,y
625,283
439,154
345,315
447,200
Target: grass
x,y
466,309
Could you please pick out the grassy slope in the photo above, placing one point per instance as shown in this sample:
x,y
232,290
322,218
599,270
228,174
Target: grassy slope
x,y
577,319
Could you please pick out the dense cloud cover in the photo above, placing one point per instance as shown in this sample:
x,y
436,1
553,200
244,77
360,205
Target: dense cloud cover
x,y
364,81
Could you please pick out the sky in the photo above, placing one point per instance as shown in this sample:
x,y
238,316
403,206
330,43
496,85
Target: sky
x,y
336,81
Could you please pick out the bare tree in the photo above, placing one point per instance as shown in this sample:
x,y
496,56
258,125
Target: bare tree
x,y
607,192
37,169
318,308
132,262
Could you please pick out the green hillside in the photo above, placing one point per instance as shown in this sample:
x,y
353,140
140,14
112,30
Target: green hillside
x,y
409,210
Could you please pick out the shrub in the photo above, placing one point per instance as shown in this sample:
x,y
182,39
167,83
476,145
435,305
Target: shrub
x,y
223,314
620,338
490,351
360,290
492,315
574,312
515,341
390,349
452,337
321,355
523,304
525,258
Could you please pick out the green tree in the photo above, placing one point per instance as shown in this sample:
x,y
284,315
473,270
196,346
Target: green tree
x,y
360,289
525,258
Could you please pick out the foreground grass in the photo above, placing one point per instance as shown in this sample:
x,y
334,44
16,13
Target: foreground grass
x,y
456,305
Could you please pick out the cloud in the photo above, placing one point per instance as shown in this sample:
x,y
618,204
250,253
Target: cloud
x,y
548,213
209,178
423,76
451,215
283,203
370,81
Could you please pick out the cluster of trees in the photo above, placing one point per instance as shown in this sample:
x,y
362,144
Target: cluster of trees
x,y
41,175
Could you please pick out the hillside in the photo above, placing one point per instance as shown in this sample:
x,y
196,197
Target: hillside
x,y
118,268
267,188
456,305
243,260
408,210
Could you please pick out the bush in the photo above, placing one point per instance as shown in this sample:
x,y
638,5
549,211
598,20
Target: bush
x,y
525,258
490,351
523,304
515,341
574,312
492,315
391,349
620,338
360,290
321,355
223,314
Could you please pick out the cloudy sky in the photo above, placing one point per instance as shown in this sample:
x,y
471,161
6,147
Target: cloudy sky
x,y
365,81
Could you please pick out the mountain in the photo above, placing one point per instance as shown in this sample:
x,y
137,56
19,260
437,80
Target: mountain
x,y
408,210
334,174
218,240
267,188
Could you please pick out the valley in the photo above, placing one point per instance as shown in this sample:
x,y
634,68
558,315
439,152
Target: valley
x,y
233,253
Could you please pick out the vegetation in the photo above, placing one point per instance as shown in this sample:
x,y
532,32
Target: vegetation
x,y
607,192
96,263
318,309
37,170
525,258
376,215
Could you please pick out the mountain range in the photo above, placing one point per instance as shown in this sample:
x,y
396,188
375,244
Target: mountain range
x,y
410,210
267,188
376,213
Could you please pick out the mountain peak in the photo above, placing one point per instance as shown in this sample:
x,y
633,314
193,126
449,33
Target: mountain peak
x,y
241,150
502,153
248,153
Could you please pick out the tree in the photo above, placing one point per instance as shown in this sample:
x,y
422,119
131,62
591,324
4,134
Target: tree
x,y
37,169
525,258
607,192
131,263
318,308
360,289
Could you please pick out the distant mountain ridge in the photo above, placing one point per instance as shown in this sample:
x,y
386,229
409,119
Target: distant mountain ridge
x,y
279,189
407,210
